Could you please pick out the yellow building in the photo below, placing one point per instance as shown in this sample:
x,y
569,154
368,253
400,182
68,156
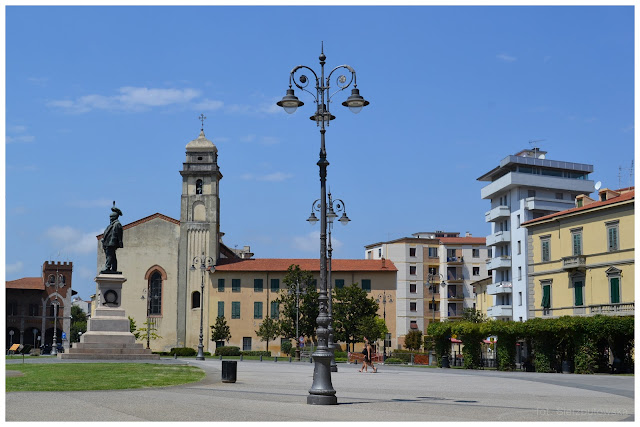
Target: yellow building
x,y
483,299
582,259
244,292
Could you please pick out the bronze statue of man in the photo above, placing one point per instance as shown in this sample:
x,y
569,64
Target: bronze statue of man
x,y
111,241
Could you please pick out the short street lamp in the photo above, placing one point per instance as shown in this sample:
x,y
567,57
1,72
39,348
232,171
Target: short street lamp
x,y
209,267
384,299
333,209
322,392
56,282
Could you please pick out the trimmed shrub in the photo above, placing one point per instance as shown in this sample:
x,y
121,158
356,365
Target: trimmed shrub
x,y
286,347
340,354
183,351
393,361
228,351
256,353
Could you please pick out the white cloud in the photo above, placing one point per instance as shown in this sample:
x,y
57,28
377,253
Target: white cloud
x,y
506,58
14,268
133,99
17,134
208,104
40,81
70,240
307,243
270,140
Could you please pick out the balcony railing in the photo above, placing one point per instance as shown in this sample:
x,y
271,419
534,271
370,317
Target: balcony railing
x,y
452,259
455,292
499,288
620,308
498,237
500,311
574,262
503,261
497,213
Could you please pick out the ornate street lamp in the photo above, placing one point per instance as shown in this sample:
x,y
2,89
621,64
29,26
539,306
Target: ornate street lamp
x,y
322,392
384,299
433,287
208,267
333,209
56,282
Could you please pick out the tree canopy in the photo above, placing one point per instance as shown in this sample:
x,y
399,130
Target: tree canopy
x,y
351,306
308,304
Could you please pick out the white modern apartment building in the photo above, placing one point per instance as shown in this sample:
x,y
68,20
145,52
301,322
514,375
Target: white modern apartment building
x,y
522,187
435,273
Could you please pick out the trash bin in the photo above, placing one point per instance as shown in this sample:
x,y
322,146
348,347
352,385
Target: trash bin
x,y
445,361
566,367
229,371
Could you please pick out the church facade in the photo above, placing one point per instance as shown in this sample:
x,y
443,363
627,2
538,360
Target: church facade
x,y
164,290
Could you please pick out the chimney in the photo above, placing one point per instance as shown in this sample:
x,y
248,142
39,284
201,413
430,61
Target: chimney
x,y
467,234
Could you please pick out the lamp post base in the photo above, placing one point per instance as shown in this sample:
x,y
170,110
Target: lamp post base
x,y
200,355
316,399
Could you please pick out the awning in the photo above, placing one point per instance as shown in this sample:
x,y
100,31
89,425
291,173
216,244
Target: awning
x,y
454,340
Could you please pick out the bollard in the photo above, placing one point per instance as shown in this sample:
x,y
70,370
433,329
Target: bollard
x,y
275,359
241,356
289,359
175,356
412,358
261,358
229,371
221,357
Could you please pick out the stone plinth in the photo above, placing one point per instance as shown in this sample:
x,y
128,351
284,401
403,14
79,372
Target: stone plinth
x,y
108,335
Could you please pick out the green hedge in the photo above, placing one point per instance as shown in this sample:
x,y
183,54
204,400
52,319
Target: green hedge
x,y
183,351
255,353
393,361
228,351
579,340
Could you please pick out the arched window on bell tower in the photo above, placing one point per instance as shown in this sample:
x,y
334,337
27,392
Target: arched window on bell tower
x,y
199,186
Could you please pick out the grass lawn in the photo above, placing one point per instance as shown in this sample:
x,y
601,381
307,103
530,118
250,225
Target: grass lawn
x,y
98,376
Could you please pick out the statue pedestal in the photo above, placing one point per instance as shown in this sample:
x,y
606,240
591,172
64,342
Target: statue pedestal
x,y
108,335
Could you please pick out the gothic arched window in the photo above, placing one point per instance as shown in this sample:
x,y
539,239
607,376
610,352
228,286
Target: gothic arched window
x,y
199,186
195,299
155,294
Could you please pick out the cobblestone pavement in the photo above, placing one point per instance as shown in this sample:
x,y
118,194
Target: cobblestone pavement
x,y
277,391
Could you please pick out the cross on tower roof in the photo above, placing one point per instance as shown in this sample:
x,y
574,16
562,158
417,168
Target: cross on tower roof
x,y
202,119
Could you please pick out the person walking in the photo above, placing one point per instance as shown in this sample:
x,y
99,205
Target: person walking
x,y
366,351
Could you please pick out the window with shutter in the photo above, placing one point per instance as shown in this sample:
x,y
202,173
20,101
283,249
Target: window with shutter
x,y
275,309
578,287
220,308
235,285
235,310
257,285
275,285
339,283
257,310
220,285
577,243
612,237
615,290
546,296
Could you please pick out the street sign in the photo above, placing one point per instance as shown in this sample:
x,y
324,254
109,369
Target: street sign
x,y
64,335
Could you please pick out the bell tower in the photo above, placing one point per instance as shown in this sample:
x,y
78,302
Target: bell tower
x,y
199,226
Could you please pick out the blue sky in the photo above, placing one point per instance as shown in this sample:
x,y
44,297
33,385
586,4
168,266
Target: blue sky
x,y
101,102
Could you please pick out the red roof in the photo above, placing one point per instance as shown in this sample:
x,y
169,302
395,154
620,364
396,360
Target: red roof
x,y
26,283
146,219
282,265
463,240
621,198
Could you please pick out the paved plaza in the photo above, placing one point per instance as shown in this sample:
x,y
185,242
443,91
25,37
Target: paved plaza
x,y
277,391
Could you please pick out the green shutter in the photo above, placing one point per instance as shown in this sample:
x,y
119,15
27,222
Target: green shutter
x,y
366,285
275,285
235,310
577,287
339,283
220,285
546,255
615,290
257,310
220,308
235,285
613,238
275,309
257,285
577,244
546,296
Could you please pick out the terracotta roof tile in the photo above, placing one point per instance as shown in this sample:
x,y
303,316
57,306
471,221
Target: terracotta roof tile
x,y
26,283
621,198
282,264
463,240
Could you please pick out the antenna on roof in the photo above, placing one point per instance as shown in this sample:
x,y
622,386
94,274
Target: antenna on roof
x,y
598,185
535,149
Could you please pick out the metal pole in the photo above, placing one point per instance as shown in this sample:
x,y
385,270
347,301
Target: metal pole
x,y
200,355
322,392
148,318
54,350
334,366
